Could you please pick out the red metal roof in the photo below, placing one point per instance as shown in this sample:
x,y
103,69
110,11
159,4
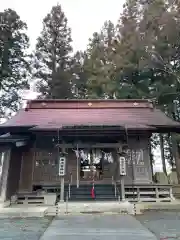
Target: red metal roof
x,y
59,113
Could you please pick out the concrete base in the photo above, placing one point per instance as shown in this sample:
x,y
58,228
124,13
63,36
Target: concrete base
x,y
4,204
14,199
110,207
14,212
85,208
174,205
92,207
49,198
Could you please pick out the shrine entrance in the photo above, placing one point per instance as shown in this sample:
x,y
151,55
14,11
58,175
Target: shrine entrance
x,y
93,163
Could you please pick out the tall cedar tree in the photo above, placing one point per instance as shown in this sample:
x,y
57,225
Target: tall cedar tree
x,y
79,75
99,65
160,27
14,66
129,53
52,56
135,73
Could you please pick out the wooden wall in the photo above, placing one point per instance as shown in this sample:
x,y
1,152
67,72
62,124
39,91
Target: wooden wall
x,y
33,173
48,174
138,161
14,172
25,184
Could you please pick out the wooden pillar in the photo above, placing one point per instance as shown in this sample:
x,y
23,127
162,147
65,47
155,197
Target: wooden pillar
x,y
77,167
25,183
114,165
62,177
122,189
133,166
5,173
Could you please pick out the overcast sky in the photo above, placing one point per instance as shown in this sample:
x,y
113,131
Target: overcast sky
x,y
84,16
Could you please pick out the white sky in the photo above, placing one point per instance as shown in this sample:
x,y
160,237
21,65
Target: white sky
x,y
84,16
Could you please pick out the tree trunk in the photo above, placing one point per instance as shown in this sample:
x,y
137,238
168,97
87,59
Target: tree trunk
x,y
175,149
151,159
162,154
171,158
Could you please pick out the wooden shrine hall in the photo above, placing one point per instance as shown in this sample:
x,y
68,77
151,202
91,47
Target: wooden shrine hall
x,y
81,150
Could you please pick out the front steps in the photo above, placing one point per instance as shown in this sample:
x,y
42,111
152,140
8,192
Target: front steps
x,y
105,192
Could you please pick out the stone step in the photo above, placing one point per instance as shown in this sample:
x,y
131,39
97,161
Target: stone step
x,y
102,192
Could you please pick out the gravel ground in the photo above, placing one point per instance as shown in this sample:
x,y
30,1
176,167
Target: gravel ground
x,y
164,224
23,229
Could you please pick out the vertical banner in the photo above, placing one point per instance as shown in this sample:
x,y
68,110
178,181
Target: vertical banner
x,y
122,166
62,166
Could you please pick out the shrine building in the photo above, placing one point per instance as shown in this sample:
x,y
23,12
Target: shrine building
x,y
67,148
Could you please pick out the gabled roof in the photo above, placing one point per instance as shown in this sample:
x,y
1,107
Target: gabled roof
x,y
53,114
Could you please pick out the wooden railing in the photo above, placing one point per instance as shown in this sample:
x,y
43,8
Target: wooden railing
x,y
148,193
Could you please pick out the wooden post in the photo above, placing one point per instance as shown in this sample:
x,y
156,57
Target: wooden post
x,y
5,173
138,194
67,204
122,173
62,180
62,190
133,162
157,192
77,167
122,188
171,193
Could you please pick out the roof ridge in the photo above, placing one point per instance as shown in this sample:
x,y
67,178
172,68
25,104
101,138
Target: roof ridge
x,y
89,100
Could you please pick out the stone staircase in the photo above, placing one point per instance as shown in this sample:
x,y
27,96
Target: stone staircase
x,y
103,192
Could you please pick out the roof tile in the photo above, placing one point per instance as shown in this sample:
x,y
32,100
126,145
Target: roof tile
x,y
129,114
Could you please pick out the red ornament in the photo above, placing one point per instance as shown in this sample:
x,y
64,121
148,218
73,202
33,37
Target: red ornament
x,y
92,193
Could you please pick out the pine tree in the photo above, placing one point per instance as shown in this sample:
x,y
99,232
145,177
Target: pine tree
x,y
14,65
52,56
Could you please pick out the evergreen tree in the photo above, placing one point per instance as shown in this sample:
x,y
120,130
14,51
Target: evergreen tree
x,y
14,65
52,56
99,65
161,30
141,60
156,27
129,52
79,75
